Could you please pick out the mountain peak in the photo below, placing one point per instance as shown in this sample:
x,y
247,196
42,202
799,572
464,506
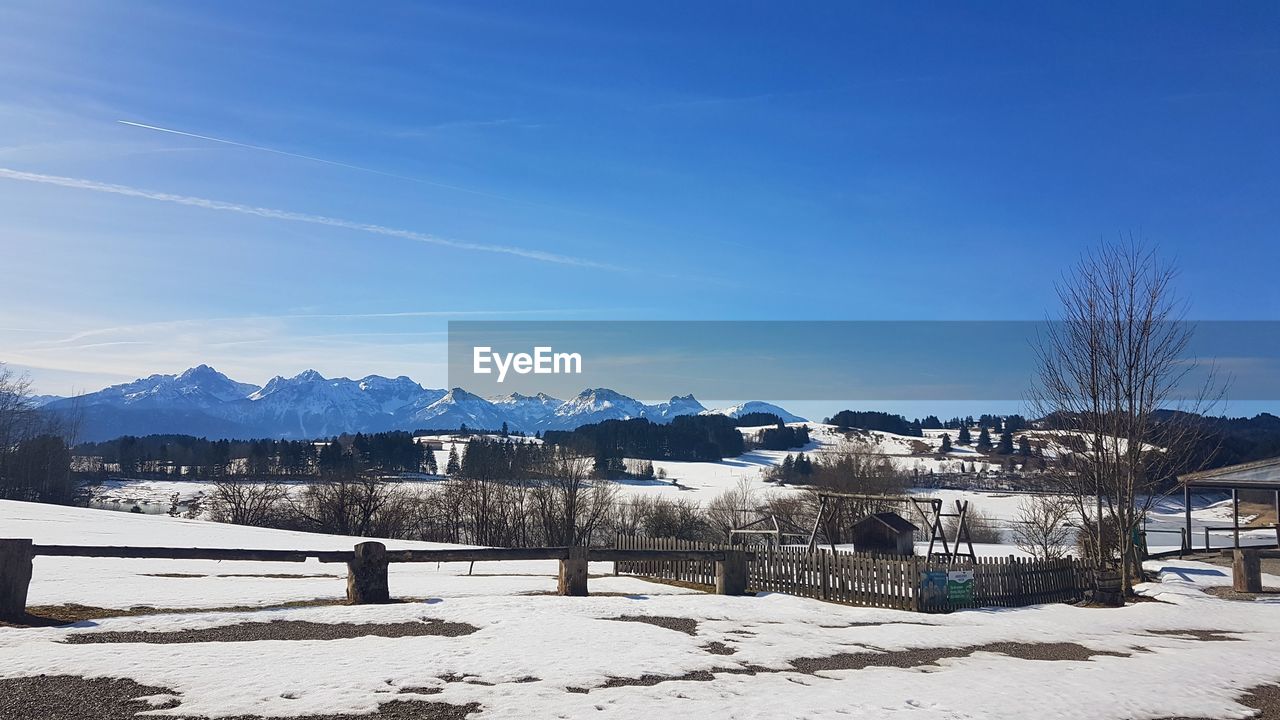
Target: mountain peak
x,y
308,376
201,371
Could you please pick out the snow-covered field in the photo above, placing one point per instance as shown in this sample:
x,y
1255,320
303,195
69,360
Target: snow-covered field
x,y
702,482
541,656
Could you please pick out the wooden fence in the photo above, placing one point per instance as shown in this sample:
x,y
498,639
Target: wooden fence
x,y
898,582
367,564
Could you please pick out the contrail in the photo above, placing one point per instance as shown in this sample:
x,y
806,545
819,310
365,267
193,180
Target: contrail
x,y
127,191
334,163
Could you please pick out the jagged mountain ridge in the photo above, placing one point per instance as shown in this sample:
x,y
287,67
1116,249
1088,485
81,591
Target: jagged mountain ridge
x,y
203,401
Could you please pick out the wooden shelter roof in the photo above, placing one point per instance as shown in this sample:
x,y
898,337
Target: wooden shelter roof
x,y
1257,475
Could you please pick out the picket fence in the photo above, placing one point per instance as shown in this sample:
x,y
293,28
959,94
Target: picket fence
x,y
883,581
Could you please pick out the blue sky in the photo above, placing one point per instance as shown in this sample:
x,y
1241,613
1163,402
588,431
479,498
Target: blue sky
x,y
603,161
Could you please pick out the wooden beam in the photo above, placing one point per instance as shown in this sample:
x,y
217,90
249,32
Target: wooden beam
x,y
817,521
112,551
15,578
1186,509
477,554
1235,516
610,554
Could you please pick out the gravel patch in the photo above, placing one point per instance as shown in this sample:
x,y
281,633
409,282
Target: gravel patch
x,y
279,630
1047,651
69,697
420,690
468,679
1264,698
716,647
55,615
1226,592
905,659
920,657
1205,635
687,626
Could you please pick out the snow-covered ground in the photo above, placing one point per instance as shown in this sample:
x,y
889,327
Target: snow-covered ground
x,y
124,583
702,482
539,655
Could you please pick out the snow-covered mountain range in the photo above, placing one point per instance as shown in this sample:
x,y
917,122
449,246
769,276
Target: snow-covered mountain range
x,y
203,401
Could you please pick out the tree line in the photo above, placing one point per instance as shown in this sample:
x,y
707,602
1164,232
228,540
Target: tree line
x,y
35,458
899,425
698,438
196,458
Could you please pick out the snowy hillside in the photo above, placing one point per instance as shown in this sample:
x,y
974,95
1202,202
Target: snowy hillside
x,y
755,406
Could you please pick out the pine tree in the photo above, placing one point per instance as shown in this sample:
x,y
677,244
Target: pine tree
x,y
804,467
963,438
430,461
1006,443
984,441
505,432
946,443
454,467
1024,446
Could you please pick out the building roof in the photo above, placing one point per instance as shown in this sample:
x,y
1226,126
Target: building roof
x,y
893,520
1257,475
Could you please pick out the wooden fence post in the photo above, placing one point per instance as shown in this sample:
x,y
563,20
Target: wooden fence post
x,y
15,578
1246,571
573,573
731,573
824,570
367,575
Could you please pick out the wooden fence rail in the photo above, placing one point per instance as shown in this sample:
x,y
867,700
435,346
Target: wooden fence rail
x,y
367,564
886,581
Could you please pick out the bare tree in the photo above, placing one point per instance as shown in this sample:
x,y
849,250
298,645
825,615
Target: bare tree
x,y
733,508
982,527
35,455
570,503
1106,370
244,503
1042,526
854,470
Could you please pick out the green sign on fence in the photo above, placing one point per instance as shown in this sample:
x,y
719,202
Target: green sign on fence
x,y
959,586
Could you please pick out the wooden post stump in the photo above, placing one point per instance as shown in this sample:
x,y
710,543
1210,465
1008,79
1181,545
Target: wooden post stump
x,y
573,573
1246,571
1108,588
731,573
15,578
367,575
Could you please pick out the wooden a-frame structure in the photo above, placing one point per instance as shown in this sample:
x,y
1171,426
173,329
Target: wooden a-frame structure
x,y
771,527
825,496
930,510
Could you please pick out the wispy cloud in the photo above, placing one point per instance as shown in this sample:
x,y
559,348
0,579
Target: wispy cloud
x,y
425,130
326,161
199,323
125,190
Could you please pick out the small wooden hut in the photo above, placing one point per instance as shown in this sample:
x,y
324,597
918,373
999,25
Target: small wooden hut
x,y
887,533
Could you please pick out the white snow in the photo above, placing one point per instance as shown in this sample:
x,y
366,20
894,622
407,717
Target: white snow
x,y
571,643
